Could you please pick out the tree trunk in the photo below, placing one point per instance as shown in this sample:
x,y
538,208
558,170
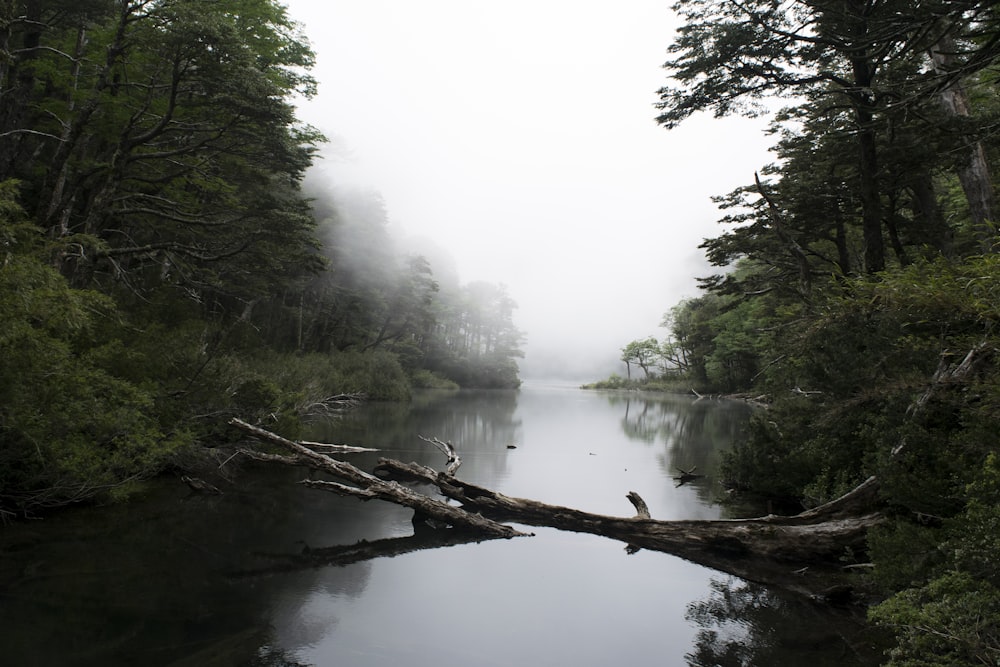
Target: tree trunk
x,y
871,203
863,68
925,207
801,553
974,171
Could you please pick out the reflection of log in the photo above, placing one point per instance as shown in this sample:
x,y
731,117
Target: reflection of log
x,y
326,448
200,485
370,487
358,552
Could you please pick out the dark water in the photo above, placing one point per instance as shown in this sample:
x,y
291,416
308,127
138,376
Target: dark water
x,y
184,579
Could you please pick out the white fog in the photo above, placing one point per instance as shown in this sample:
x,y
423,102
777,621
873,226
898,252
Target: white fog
x,y
519,138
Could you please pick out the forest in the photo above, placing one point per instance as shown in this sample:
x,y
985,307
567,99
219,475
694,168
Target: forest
x,y
858,287
164,265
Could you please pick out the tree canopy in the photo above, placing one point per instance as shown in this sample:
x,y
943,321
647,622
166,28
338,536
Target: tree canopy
x,y
856,286
163,269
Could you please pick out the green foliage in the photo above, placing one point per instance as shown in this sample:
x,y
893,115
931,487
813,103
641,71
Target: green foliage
x,y
643,353
160,270
377,374
893,374
954,620
614,381
424,379
949,613
974,536
70,428
905,553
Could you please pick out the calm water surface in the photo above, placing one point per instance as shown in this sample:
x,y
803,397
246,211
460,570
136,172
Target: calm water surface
x,y
183,579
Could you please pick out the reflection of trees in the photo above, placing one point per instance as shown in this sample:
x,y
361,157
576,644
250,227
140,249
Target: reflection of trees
x,y
695,432
647,420
271,656
470,419
480,423
744,624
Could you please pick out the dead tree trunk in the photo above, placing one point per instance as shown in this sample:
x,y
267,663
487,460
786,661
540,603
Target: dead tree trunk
x,y
974,171
798,553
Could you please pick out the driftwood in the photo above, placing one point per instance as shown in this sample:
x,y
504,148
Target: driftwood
x,y
771,550
686,476
798,553
369,487
454,461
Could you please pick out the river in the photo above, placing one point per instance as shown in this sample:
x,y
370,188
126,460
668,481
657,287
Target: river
x,y
182,579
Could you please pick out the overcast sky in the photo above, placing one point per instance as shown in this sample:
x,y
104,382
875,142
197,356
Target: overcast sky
x,y
519,136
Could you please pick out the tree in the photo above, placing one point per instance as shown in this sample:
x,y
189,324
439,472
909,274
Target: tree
x,y
160,142
833,54
475,340
159,159
71,428
643,353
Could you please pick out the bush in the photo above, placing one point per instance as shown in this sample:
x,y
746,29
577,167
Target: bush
x,y
954,620
424,379
70,429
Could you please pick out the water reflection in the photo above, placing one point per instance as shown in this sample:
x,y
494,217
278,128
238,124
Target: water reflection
x,y
481,423
694,433
743,624
256,577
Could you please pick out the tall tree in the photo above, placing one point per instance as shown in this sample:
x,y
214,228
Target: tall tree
x,y
159,140
834,55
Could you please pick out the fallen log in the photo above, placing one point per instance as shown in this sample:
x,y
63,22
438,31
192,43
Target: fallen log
x,y
801,553
368,486
770,550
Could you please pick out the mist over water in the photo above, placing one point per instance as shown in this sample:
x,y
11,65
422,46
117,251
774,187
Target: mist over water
x,y
519,140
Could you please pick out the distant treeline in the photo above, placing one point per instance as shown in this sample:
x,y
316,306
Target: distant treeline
x,y
161,268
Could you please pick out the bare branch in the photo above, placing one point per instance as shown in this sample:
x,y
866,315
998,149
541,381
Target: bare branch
x,y
454,461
